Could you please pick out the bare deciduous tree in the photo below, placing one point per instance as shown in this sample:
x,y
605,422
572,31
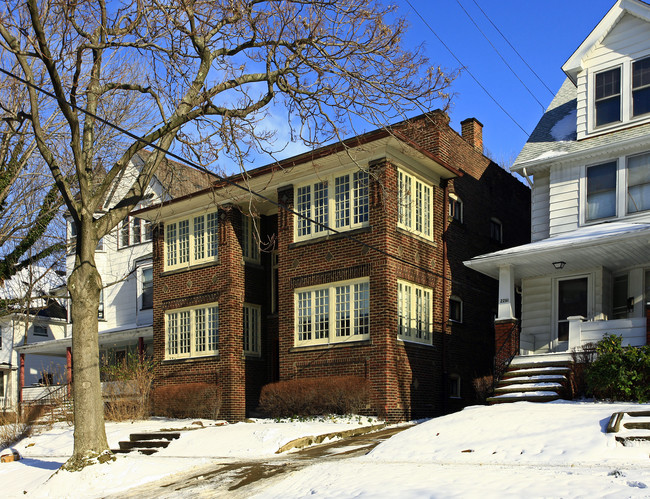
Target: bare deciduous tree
x,y
199,75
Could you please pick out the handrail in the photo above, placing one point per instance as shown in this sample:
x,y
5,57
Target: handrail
x,y
51,395
501,358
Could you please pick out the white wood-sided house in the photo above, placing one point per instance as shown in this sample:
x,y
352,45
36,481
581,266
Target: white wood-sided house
x,y
31,316
124,261
587,270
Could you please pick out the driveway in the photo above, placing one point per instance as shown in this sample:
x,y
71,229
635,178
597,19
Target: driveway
x,y
225,478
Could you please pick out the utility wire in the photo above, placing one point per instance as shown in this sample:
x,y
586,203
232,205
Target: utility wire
x,y
499,54
513,48
228,181
467,69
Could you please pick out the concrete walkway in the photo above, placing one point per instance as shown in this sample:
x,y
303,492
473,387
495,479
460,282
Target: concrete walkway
x,y
235,479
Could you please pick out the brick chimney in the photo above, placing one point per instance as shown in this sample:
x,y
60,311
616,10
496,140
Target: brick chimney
x,y
472,132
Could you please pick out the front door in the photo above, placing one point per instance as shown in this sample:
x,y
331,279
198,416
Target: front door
x,y
572,299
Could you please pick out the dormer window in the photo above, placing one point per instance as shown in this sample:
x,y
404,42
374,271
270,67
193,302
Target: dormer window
x,y
608,97
641,87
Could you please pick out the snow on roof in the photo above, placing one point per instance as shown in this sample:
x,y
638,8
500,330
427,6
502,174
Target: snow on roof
x,y
36,280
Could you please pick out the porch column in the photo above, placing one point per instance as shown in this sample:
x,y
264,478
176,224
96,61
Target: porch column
x,y
21,378
575,332
141,349
68,370
506,308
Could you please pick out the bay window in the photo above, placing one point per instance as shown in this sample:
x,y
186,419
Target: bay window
x,y
414,317
192,332
333,313
191,241
414,205
339,201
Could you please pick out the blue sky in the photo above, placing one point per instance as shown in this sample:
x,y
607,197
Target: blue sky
x,y
544,32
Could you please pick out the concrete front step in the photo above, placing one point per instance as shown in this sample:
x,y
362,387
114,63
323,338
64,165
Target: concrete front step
x,y
540,378
528,387
158,435
536,371
536,396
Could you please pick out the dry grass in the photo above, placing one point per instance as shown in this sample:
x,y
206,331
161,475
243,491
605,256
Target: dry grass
x,y
127,389
15,426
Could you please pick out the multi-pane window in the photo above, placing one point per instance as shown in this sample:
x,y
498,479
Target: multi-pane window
x,y
249,246
192,332
455,309
147,288
134,231
334,313
40,330
608,97
601,191
496,230
641,87
251,326
414,205
414,317
455,208
191,241
638,183
340,202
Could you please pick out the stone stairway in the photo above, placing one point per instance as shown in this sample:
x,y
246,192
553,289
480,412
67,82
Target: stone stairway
x,y
633,428
146,443
538,378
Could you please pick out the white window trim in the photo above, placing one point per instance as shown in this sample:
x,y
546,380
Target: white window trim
x,y
626,96
408,203
316,231
253,336
250,245
421,336
193,353
192,260
458,300
621,192
140,276
145,229
457,200
331,337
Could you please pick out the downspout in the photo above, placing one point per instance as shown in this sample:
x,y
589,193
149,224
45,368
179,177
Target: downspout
x,y
445,226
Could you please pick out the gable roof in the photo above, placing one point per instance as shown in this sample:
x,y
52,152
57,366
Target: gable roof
x,y
637,8
178,179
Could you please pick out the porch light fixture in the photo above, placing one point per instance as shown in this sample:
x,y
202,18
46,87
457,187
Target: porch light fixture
x,y
559,265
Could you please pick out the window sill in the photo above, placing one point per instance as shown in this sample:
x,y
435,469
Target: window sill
x,y
190,267
415,235
415,343
190,360
331,346
330,237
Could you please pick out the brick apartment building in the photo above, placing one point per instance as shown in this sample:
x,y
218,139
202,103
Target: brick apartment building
x,y
247,292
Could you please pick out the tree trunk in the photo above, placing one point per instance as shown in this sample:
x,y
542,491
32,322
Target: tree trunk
x,y
84,285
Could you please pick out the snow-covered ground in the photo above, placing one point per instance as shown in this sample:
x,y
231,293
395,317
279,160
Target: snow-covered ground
x,y
557,449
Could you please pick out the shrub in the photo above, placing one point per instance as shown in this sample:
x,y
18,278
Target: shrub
x,y
127,388
582,360
188,400
483,388
314,396
620,373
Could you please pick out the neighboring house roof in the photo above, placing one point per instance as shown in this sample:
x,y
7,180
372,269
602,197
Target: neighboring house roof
x,y
178,179
37,281
554,138
637,8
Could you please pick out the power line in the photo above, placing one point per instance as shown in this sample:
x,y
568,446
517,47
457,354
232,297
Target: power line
x,y
499,54
467,69
513,48
230,182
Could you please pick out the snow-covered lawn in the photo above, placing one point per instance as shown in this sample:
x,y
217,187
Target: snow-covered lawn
x,y
557,449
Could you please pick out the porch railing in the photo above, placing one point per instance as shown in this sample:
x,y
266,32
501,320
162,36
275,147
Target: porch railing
x,y
45,395
507,351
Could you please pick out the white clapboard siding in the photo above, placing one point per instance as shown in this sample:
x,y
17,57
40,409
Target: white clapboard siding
x,y
536,313
540,207
564,199
633,331
581,116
